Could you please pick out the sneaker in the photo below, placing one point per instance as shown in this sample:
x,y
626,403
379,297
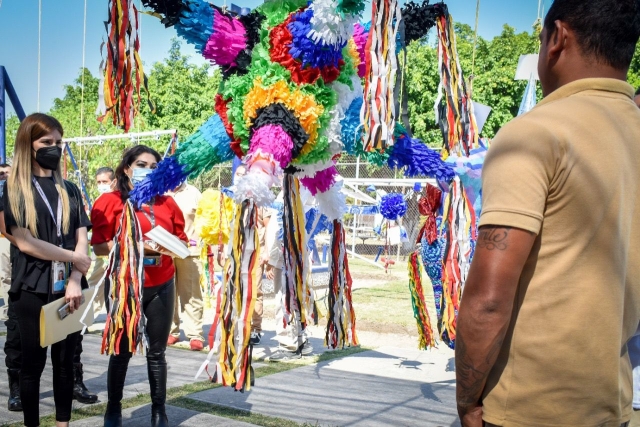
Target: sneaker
x,y
282,355
255,338
196,345
172,340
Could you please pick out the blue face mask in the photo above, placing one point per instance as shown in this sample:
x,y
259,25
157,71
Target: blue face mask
x,y
139,174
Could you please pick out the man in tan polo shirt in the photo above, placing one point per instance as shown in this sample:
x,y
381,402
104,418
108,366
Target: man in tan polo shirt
x,y
553,294
189,303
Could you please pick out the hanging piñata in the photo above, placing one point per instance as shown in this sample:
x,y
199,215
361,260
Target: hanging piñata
x,y
121,72
455,112
289,104
123,281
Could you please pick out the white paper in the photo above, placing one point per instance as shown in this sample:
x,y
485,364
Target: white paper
x,y
527,66
168,241
481,112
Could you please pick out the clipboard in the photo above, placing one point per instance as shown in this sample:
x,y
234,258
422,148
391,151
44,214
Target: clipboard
x,y
53,330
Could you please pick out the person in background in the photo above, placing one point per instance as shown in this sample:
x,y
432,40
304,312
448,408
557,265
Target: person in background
x,y
189,301
292,342
263,221
5,262
158,297
553,293
12,351
45,217
105,182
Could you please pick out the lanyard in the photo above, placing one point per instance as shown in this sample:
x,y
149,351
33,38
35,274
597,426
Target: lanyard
x,y
152,218
57,222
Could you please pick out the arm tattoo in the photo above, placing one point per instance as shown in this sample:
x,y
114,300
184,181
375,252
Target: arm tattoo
x,y
471,379
493,238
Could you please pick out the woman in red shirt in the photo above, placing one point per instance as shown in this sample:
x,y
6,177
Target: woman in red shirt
x,y
159,290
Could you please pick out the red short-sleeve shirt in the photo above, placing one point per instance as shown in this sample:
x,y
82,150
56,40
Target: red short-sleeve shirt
x,y
105,217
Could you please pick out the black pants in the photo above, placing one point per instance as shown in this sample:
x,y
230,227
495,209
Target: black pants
x,y
27,306
12,346
158,305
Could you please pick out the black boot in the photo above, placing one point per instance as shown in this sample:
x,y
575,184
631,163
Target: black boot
x,y
14,403
157,369
115,384
80,392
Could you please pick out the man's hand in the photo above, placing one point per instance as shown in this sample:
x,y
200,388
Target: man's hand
x,y
471,417
269,272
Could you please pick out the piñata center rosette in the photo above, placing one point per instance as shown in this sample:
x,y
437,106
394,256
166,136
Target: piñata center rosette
x,y
303,106
278,115
306,60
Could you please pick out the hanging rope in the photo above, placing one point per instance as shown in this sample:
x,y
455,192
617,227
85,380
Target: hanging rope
x,y
475,46
84,48
39,44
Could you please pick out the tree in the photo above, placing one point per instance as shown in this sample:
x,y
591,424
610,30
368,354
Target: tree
x,y
184,93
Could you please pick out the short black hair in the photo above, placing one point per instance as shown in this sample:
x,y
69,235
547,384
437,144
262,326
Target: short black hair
x,y
607,30
5,165
106,169
638,91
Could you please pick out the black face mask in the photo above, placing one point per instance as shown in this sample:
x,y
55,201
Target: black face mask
x,y
49,157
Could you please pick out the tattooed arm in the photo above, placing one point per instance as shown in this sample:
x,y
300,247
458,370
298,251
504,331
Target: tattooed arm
x,y
485,312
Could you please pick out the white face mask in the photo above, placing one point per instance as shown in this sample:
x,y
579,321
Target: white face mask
x,y
104,188
139,174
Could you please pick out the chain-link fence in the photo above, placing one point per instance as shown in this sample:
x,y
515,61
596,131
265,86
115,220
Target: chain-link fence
x,y
368,236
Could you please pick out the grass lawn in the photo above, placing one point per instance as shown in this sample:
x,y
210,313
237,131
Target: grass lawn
x,y
384,308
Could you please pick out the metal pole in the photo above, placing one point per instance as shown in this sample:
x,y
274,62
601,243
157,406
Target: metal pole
x,y
13,97
3,119
75,166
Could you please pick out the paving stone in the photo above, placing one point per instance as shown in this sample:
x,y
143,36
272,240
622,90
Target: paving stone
x,y
141,415
182,364
386,387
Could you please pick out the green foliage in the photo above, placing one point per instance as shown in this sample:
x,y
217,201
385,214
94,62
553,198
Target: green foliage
x,y
634,71
184,97
184,93
494,69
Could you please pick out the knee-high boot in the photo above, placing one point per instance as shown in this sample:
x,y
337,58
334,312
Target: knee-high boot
x,y
116,376
157,370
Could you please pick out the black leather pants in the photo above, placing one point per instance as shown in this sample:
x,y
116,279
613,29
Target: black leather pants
x,y
158,304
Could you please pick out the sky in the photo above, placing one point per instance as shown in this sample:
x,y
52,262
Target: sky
x,y
61,41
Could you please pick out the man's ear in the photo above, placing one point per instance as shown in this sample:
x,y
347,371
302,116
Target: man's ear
x,y
556,41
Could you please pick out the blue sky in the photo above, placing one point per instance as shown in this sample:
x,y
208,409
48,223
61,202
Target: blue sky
x,y
62,35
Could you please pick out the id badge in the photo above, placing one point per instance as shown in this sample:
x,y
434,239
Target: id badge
x,y
60,276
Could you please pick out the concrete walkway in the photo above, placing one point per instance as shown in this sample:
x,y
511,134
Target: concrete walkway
x,y
394,385
385,387
140,415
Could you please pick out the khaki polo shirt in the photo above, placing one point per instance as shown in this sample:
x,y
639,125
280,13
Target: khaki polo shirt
x,y
568,171
187,199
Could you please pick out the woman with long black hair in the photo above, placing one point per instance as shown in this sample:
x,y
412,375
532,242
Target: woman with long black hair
x,y
48,224
159,291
